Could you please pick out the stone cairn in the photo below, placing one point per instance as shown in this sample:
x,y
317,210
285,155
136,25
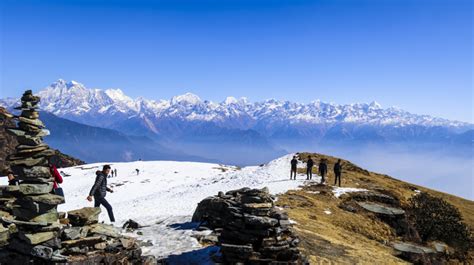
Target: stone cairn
x,y
251,230
31,229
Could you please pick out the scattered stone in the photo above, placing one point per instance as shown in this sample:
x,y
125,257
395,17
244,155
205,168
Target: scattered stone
x,y
104,229
128,242
88,241
84,216
71,233
37,238
131,224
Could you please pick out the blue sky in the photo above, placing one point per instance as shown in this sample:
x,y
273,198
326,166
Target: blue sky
x,y
414,54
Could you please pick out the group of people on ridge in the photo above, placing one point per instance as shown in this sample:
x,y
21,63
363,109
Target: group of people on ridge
x,y
322,169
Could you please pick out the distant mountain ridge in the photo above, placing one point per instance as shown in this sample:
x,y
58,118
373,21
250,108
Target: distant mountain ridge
x,y
75,101
252,131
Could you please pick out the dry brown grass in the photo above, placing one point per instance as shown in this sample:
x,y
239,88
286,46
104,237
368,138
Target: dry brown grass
x,y
343,237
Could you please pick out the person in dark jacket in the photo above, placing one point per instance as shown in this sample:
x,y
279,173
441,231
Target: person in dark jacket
x,y
337,172
12,181
99,190
294,164
309,168
323,170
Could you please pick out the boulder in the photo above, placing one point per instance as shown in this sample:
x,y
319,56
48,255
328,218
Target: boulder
x,y
381,209
36,238
31,225
104,229
412,248
35,189
88,241
49,217
84,216
36,172
71,233
51,199
29,162
29,140
4,235
34,122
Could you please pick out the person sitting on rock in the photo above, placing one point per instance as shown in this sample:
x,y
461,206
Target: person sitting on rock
x,y
323,170
294,164
99,190
337,172
309,168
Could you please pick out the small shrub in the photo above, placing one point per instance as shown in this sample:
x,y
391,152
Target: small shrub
x,y
436,219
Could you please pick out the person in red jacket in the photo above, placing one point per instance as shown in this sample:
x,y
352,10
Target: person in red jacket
x,y
57,177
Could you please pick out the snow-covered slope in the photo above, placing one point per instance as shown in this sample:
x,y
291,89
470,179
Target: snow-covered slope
x,y
165,194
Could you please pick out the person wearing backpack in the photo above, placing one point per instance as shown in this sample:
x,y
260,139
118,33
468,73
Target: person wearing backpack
x,y
100,189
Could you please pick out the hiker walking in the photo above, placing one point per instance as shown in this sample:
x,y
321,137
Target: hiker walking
x,y
294,164
323,170
99,190
138,171
309,168
337,172
115,172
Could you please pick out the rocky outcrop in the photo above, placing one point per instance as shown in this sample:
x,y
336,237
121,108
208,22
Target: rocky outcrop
x,y
30,231
8,141
250,229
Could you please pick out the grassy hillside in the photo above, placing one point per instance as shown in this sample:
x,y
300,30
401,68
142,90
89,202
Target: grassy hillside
x,y
333,235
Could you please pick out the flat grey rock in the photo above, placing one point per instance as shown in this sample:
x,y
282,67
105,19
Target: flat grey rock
x,y
381,209
412,248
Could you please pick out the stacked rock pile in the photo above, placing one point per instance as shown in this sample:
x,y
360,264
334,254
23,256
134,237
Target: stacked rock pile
x,y
251,229
30,231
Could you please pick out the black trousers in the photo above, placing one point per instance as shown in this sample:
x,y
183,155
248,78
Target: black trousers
x,y
101,200
293,172
323,177
338,177
309,173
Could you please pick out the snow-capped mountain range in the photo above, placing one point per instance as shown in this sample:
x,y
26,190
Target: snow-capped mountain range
x,y
254,131
74,100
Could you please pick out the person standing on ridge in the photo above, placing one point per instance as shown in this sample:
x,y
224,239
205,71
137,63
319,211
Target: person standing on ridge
x,y
323,170
337,172
99,190
309,168
138,171
115,172
294,164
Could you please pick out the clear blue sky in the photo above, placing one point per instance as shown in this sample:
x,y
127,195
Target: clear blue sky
x,y
414,54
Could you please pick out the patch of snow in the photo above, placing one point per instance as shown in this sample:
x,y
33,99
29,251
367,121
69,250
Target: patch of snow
x,y
339,191
165,194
